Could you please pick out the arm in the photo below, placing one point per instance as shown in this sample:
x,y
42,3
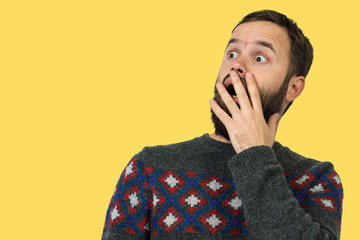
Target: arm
x,y
127,216
270,207
272,210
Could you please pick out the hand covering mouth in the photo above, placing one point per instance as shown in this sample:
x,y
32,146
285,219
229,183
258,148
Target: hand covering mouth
x,y
230,87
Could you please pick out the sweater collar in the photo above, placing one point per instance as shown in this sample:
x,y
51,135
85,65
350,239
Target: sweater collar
x,y
212,143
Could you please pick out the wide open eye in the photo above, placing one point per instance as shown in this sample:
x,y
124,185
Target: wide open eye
x,y
233,54
260,58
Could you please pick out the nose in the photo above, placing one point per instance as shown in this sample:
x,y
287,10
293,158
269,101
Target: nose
x,y
239,68
240,72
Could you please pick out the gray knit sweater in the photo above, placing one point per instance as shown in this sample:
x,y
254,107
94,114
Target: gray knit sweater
x,y
202,189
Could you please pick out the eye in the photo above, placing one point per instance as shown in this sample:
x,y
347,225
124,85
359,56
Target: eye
x,y
260,59
233,54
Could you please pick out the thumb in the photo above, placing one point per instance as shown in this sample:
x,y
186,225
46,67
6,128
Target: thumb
x,y
273,122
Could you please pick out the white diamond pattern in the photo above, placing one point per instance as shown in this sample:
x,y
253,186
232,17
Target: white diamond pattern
x,y
302,179
155,200
171,181
192,200
214,185
337,179
170,220
213,221
133,199
327,203
129,169
317,188
235,203
114,213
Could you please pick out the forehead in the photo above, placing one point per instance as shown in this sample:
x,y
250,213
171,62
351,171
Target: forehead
x,y
250,33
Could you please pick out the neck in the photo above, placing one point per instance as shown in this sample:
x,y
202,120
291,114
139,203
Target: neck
x,y
219,138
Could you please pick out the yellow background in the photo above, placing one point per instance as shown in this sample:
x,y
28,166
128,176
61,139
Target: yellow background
x,y
87,84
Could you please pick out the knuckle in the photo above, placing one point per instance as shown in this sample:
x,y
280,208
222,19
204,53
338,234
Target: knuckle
x,y
250,115
227,123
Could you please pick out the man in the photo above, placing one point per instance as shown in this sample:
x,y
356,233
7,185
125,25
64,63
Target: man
x,y
237,183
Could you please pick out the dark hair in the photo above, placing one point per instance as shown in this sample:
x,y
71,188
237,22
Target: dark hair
x,y
301,50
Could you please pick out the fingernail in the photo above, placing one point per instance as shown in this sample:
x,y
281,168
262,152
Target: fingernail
x,y
232,73
219,84
248,75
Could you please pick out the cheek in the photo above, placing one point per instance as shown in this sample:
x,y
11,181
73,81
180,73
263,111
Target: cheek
x,y
218,78
269,80
263,81
223,71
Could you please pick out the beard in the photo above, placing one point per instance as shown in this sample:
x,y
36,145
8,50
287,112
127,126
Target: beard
x,y
271,103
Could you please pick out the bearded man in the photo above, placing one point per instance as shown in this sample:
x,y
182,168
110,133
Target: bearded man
x,y
238,182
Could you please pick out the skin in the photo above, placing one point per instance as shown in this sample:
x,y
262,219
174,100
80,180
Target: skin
x,y
261,50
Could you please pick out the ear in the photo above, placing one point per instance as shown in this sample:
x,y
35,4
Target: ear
x,y
296,86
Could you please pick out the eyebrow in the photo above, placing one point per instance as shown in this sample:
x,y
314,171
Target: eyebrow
x,y
232,40
261,43
266,44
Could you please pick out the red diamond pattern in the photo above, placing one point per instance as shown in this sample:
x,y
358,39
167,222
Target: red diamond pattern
x,y
192,200
130,170
320,187
302,180
170,219
115,214
214,185
133,198
234,203
213,221
335,179
171,181
327,202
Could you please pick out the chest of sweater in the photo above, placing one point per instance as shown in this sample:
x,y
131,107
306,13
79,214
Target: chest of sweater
x,y
186,203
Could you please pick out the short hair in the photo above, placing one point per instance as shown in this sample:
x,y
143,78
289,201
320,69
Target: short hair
x,y
301,50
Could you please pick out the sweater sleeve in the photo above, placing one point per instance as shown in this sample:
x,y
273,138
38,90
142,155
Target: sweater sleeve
x,y
127,216
279,206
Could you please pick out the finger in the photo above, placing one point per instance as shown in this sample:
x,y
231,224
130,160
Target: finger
x,y
240,91
219,112
273,123
227,99
253,92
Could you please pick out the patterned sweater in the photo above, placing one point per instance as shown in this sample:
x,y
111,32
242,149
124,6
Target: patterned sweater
x,y
202,189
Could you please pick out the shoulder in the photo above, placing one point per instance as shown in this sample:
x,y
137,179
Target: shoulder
x,y
301,171
296,163
178,147
163,155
